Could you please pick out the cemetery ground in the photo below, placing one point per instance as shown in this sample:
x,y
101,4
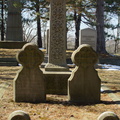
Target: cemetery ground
x,y
57,107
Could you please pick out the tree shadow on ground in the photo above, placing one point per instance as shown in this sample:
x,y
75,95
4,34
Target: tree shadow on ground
x,y
110,102
68,103
6,78
111,91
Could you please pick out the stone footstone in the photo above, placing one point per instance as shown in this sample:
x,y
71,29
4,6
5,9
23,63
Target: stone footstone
x,y
29,84
108,116
19,115
84,82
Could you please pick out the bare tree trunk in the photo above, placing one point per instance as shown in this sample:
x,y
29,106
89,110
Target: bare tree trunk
x,y
77,19
100,27
39,38
116,45
2,21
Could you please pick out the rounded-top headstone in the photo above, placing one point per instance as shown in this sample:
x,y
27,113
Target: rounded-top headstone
x,y
19,115
29,83
84,82
108,116
84,56
30,56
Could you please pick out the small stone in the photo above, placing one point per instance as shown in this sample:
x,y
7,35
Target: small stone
x,y
19,115
108,116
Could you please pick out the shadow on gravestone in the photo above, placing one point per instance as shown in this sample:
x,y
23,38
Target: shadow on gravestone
x,y
84,82
108,116
29,84
19,115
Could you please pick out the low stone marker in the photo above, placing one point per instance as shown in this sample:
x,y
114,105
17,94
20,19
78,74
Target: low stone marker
x,y
88,36
19,115
108,116
84,82
29,85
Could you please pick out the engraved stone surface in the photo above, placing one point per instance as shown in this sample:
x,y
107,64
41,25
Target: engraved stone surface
x,y
19,115
84,82
14,30
57,49
108,116
88,36
29,83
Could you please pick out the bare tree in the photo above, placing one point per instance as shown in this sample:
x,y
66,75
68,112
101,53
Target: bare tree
x,y
100,27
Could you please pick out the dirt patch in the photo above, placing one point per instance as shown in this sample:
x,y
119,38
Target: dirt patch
x,y
111,79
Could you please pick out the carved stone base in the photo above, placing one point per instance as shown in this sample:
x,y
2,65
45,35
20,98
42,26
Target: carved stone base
x,y
53,67
56,82
12,44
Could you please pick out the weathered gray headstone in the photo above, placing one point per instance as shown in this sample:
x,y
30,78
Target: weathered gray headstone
x,y
56,70
108,116
29,83
84,82
57,43
14,24
88,36
19,115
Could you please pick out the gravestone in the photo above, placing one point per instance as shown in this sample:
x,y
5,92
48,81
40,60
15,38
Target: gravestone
x,y
19,115
29,83
56,70
57,37
108,116
14,30
88,36
84,82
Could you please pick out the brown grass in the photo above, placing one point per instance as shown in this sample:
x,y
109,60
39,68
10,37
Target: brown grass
x,y
57,107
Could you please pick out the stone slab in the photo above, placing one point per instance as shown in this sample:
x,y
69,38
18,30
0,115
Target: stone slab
x,y
12,44
56,82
